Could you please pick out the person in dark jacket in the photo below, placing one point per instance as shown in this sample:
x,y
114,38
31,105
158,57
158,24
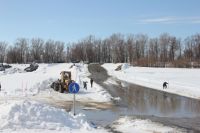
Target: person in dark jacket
x,y
165,85
0,86
91,82
85,85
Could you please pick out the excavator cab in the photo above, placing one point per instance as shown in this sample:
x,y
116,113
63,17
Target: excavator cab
x,y
65,79
65,76
63,83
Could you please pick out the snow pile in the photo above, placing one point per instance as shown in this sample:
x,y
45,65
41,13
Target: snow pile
x,y
13,70
181,81
128,125
31,115
16,83
20,84
125,66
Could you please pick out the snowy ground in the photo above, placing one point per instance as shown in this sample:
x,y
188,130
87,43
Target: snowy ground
x,y
17,83
22,106
129,125
181,81
23,96
30,116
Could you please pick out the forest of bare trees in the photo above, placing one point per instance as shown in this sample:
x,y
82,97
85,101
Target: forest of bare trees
x,y
139,50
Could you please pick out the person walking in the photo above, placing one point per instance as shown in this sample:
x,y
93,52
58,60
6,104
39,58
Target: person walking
x,y
91,82
165,85
85,85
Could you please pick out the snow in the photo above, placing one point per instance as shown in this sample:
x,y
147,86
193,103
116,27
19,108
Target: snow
x,y
129,125
16,82
125,66
31,116
181,81
23,95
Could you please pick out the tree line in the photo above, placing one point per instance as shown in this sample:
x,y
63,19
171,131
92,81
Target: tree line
x,y
140,50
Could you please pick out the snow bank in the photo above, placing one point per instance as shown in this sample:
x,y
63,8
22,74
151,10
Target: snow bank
x,y
125,66
15,81
30,115
18,83
181,81
128,125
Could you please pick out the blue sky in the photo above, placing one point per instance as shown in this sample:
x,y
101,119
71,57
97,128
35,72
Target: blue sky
x,y
72,20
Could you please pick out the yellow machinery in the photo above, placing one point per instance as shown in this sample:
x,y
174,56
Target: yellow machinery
x,y
62,84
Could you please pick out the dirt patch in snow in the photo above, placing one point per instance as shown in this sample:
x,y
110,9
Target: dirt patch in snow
x,y
99,74
118,68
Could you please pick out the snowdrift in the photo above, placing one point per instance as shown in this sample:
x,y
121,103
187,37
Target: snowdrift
x,y
15,82
129,125
29,115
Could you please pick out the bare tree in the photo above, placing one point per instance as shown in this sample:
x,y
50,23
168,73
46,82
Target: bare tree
x,y
21,46
59,48
135,49
164,44
12,55
117,46
105,51
49,51
196,41
173,47
153,57
89,52
3,47
130,50
140,49
188,52
68,53
37,49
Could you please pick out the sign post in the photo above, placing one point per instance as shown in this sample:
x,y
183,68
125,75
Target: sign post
x,y
74,88
74,104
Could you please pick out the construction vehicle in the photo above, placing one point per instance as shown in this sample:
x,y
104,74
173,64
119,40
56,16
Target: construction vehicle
x,y
3,67
63,83
33,66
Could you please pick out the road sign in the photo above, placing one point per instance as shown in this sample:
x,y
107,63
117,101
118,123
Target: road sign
x,y
74,88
